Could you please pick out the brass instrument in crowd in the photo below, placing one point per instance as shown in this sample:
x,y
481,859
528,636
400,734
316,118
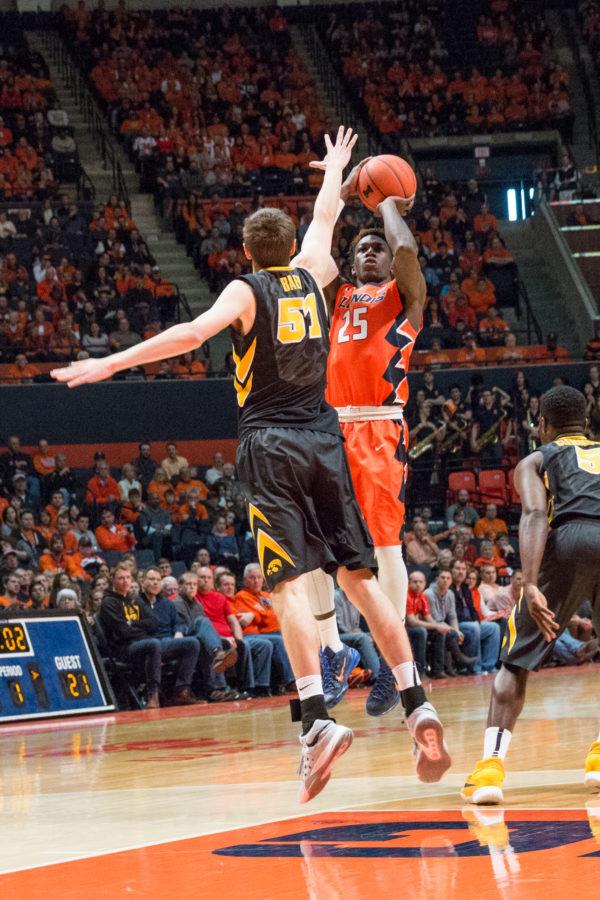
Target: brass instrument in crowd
x,y
452,443
491,436
425,444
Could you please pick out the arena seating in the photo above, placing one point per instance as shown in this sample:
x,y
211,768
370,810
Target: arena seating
x,y
208,101
407,66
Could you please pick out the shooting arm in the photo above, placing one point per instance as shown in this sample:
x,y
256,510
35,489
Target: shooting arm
x,y
405,265
533,527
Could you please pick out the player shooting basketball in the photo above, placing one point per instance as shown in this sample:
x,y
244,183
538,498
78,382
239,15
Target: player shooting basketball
x,y
375,322
291,462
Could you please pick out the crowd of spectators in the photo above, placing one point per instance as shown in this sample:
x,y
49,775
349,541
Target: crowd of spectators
x,y
210,102
75,279
484,427
37,149
161,559
408,72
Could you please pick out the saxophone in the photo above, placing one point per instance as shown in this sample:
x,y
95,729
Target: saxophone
x,y
423,445
491,435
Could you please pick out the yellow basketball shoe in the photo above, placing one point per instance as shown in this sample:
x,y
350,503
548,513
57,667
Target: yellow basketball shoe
x,y
593,812
484,784
592,767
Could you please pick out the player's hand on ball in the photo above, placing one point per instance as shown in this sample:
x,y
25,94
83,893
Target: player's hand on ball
x,y
349,188
338,154
403,204
86,371
538,610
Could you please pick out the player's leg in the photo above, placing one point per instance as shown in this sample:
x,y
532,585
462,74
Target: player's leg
x,y
322,740
337,659
390,635
564,580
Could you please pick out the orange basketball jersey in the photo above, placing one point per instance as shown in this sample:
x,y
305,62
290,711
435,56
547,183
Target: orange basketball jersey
x,y
371,344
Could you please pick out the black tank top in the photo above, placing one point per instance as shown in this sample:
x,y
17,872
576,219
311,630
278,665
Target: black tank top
x,y
281,364
571,472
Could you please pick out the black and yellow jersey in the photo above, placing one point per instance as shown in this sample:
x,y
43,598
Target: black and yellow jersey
x,y
571,473
281,364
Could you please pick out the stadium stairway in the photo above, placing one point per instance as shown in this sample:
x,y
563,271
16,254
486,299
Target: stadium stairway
x,y
174,263
330,90
549,305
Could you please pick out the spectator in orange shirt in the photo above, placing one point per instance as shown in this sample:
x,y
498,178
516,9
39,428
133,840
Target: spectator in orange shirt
x,y
462,312
45,527
487,557
482,296
55,507
22,372
187,366
63,528
492,327
255,614
102,489
490,523
470,259
497,254
511,353
187,480
113,537
132,508
470,354
10,595
43,463
52,561
283,158
160,484
80,565
485,222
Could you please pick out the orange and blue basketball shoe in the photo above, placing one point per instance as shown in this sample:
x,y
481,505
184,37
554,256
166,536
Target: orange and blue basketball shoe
x,y
592,767
335,672
484,784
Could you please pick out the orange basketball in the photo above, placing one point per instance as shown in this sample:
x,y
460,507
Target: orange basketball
x,y
385,176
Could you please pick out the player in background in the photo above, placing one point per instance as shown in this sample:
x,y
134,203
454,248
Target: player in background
x,y
375,322
292,464
559,541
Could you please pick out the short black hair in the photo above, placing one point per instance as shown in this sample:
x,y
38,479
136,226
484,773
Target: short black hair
x,y
378,232
563,407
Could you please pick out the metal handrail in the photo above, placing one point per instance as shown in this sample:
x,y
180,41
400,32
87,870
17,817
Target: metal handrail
x,y
77,85
345,107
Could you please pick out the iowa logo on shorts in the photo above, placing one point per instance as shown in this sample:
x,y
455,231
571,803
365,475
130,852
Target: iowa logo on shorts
x,y
266,545
274,566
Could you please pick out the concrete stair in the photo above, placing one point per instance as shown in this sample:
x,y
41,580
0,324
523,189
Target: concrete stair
x,y
344,115
175,264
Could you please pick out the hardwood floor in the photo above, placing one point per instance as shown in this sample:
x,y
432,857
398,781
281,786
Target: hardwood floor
x,y
202,802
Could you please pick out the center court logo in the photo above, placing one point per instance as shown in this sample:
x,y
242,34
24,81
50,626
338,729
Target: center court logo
x,y
408,839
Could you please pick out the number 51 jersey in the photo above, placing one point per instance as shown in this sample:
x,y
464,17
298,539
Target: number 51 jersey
x,y
371,344
281,364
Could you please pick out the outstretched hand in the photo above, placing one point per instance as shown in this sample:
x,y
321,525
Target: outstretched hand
x,y
543,617
349,188
338,154
85,371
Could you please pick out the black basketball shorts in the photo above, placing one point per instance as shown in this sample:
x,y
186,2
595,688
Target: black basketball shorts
x,y
569,575
301,504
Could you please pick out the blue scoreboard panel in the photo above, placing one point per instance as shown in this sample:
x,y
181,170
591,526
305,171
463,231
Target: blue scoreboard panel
x,y
49,666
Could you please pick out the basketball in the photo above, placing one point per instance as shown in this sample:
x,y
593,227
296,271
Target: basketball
x,y
385,176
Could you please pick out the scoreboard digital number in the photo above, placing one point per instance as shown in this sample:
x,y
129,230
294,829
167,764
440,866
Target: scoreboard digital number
x,y
49,666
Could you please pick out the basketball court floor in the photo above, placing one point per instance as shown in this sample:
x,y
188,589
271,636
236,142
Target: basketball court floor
x,y
201,802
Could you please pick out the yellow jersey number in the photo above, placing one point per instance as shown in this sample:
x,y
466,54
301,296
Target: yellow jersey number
x,y
292,316
588,459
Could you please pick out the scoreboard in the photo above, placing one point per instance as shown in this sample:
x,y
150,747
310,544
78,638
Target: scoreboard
x,y
49,666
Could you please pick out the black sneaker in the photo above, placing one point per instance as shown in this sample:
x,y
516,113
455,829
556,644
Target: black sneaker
x,y
384,694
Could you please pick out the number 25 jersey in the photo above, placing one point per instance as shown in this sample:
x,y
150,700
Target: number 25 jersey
x,y
371,344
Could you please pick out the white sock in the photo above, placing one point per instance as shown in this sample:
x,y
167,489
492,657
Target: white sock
x,y
309,686
496,742
393,577
406,675
321,599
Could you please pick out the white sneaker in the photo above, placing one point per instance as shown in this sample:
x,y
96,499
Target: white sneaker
x,y
431,751
321,746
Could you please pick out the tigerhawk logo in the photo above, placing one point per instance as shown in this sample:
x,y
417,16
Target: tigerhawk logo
x,y
274,566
